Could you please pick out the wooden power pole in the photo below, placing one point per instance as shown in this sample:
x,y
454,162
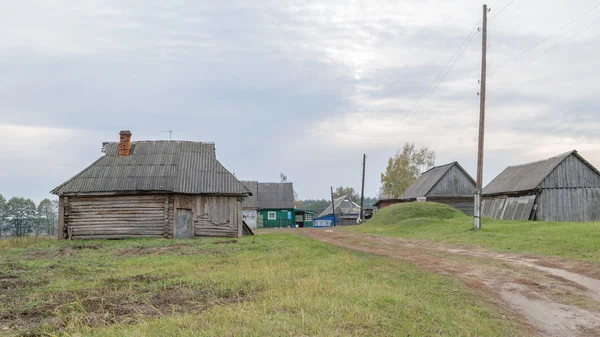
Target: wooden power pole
x,y
479,187
332,206
362,191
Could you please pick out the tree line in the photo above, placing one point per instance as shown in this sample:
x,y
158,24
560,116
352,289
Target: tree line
x,y
21,217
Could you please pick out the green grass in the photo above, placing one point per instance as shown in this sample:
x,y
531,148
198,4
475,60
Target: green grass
x,y
441,223
23,241
268,285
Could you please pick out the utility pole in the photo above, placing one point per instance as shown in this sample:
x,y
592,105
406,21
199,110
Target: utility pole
x,y
479,187
362,192
332,206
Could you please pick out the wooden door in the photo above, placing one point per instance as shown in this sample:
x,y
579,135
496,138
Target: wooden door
x,y
183,224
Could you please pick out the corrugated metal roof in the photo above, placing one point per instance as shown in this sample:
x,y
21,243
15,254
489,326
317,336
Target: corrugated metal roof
x,y
276,195
426,181
161,166
343,205
524,177
251,201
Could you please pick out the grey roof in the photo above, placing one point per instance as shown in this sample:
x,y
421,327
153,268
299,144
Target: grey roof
x,y
251,201
428,179
158,166
343,205
524,177
527,177
276,195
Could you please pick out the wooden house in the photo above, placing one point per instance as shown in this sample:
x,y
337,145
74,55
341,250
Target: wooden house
x,y
272,205
345,213
448,184
561,188
158,189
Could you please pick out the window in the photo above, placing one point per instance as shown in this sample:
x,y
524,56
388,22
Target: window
x,y
272,216
307,217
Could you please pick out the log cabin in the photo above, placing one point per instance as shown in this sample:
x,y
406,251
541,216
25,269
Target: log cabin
x,y
152,189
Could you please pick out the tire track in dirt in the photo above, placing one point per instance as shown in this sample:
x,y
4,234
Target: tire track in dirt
x,y
556,297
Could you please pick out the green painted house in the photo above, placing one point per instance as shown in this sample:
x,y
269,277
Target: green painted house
x,y
272,205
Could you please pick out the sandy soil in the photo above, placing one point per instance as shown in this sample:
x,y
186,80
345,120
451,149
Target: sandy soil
x,y
556,297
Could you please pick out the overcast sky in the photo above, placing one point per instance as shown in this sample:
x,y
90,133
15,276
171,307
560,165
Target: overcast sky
x,y
300,87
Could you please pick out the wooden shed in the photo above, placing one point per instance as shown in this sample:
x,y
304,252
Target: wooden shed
x,y
448,184
561,188
170,189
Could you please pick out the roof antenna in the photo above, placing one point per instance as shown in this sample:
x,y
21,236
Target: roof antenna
x,y
170,134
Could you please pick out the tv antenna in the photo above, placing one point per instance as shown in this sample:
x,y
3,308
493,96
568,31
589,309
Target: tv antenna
x,y
170,134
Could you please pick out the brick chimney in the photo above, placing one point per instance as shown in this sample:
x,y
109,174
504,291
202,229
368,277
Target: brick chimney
x,y
125,143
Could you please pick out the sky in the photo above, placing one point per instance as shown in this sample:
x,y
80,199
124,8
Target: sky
x,y
299,87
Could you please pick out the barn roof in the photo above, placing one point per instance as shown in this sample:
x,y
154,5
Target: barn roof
x,y
428,180
276,195
156,166
528,176
343,205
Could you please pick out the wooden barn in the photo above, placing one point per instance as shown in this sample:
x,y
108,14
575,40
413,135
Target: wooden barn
x,y
156,189
448,184
561,188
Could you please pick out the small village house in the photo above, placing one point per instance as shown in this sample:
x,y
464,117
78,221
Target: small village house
x,y
561,188
158,189
345,213
448,184
272,205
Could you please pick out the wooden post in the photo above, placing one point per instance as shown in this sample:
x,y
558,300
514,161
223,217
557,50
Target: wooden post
x,y
479,187
61,218
332,206
362,191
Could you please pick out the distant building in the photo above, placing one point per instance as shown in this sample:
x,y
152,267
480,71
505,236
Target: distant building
x,y
448,184
346,213
272,205
561,188
383,203
170,189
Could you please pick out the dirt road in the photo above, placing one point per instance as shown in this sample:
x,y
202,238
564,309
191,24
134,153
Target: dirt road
x,y
556,297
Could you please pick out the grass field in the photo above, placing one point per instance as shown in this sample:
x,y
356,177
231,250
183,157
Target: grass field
x,y
441,223
268,285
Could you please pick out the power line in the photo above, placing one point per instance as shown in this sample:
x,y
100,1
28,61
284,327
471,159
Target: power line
x,y
551,49
502,10
453,60
544,40
444,69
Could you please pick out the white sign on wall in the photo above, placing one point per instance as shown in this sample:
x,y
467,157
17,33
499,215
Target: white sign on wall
x,y
250,216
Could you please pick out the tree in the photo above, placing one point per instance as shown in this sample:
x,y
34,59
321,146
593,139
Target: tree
x,y
21,216
47,217
317,206
403,169
349,191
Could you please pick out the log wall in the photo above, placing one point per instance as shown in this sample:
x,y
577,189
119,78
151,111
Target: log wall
x,y
107,217
147,216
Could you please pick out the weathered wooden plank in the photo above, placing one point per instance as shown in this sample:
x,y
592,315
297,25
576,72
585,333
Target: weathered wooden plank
x,y
61,218
118,236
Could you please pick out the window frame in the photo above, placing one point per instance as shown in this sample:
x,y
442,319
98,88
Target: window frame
x,y
273,217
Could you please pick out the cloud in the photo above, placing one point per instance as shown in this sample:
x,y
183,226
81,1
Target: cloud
x,y
301,87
